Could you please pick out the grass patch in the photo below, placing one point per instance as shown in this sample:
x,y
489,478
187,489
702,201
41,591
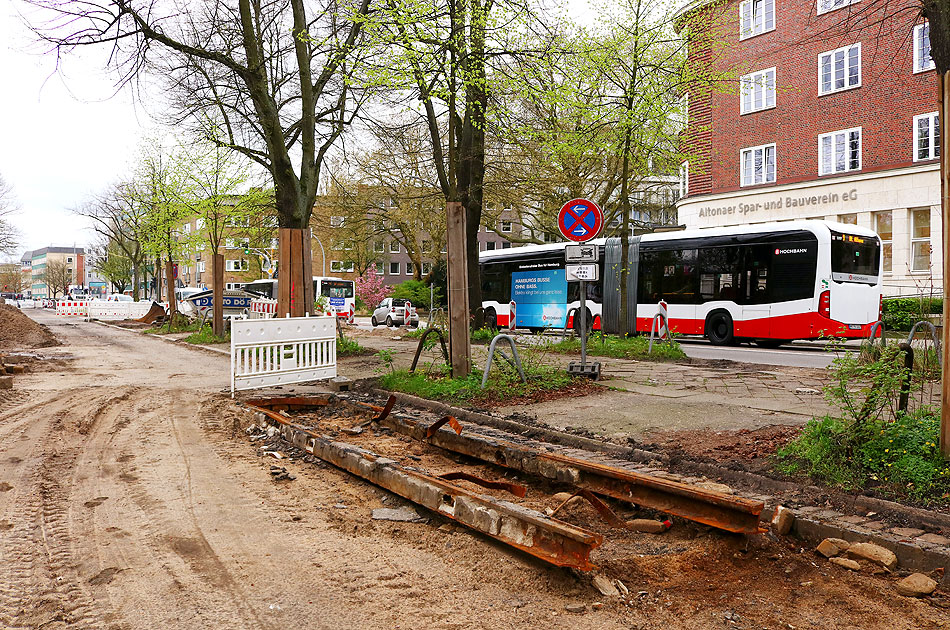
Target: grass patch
x,y
347,347
870,445
628,348
180,325
205,336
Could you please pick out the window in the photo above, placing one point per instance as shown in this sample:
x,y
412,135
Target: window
x,y
69,259
379,247
426,268
758,165
338,266
505,226
883,225
839,151
506,245
920,239
830,5
270,221
233,265
489,246
394,247
848,219
922,60
684,182
679,117
756,17
394,269
409,268
337,221
426,247
839,69
229,243
199,224
926,137
201,267
757,91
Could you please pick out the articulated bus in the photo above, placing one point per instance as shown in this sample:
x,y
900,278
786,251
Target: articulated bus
x,y
771,283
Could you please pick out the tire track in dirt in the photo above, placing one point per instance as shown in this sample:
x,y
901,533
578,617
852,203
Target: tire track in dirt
x,y
39,584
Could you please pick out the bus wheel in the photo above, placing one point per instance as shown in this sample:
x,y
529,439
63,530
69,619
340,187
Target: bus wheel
x,y
719,328
491,319
771,343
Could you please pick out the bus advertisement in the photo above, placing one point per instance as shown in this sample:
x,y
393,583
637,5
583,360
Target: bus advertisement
x,y
769,283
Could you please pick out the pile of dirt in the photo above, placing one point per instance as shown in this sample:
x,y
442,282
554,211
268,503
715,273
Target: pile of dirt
x,y
19,331
751,447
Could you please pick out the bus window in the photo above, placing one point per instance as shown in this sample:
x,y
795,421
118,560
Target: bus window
x,y
337,288
854,258
719,273
494,285
793,270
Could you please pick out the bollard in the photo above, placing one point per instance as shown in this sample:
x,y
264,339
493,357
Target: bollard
x,y
908,351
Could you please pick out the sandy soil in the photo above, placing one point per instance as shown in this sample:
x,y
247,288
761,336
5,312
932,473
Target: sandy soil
x,y
19,331
130,498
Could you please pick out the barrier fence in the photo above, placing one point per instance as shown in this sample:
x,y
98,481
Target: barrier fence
x,y
101,309
278,351
72,307
262,308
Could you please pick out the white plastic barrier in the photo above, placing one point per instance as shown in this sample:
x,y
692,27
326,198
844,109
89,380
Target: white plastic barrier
x,y
72,307
102,309
262,308
278,351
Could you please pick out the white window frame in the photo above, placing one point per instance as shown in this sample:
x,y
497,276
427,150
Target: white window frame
x,y
747,23
506,226
933,136
764,148
832,135
914,240
409,268
239,264
830,55
920,63
337,221
874,219
391,267
426,268
339,266
394,247
201,267
379,247
683,183
826,6
747,89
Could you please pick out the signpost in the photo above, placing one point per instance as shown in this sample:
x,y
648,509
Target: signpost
x,y
581,220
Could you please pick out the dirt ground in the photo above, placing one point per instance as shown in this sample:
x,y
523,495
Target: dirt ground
x,y
130,497
19,331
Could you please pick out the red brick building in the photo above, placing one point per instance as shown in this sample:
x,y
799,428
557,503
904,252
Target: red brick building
x,y
832,115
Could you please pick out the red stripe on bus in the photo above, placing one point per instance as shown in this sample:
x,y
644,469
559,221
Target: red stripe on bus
x,y
796,326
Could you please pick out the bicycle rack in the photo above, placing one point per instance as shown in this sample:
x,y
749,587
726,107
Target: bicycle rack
x,y
879,324
422,339
514,351
567,318
933,335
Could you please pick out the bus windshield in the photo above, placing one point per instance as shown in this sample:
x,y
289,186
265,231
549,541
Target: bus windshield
x,y
855,258
337,288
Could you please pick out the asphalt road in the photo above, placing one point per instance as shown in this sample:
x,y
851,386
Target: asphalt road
x,y
809,354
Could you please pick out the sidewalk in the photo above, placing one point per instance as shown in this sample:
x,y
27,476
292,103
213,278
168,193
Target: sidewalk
x,y
642,396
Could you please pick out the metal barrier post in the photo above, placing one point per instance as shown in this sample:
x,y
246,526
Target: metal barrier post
x,y
933,335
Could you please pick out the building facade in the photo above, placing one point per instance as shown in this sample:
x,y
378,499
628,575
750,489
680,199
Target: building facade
x,y
42,263
833,116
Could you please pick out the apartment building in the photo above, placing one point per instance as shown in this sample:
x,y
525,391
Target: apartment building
x,y
834,117
36,263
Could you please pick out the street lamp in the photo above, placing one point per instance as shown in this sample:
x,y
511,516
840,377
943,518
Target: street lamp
x,y
323,253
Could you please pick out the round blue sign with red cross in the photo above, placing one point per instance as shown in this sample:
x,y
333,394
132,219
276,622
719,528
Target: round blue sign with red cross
x,y
580,220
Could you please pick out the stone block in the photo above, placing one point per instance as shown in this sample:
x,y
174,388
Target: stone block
x,y
874,553
936,539
906,532
846,563
783,520
916,585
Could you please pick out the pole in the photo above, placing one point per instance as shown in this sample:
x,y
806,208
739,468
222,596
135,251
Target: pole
x,y
583,314
456,243
943,100
323,253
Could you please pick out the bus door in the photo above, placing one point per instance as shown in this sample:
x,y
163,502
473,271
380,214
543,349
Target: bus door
x,y
754,291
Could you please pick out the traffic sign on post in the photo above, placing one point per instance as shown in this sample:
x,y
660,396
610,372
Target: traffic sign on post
x,y
581,253
580,220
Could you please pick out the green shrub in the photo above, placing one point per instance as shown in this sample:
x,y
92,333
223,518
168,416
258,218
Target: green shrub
x,y
903,313
869,443
347,347
483,335
416,292
206,336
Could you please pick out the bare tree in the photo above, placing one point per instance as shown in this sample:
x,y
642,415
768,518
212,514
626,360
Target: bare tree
x,y
269,73
9,236
107,258
57,276
119,219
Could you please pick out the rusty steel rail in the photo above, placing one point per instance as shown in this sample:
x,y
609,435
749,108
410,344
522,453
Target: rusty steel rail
x,y
549,539
709,507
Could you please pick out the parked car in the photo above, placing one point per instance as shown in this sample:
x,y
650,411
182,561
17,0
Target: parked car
x,y
392,311
117,297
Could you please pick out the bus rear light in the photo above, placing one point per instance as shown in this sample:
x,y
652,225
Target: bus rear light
x,y
824,304
880,310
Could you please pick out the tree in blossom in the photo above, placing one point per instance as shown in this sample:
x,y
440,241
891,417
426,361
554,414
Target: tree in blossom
x,y
370,287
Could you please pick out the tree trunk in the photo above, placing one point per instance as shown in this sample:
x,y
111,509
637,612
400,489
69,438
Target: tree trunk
x,y
217,286
170,280
135,283
158,279
295,283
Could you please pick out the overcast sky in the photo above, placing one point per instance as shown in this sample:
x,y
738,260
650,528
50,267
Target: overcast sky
x,y
64,134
